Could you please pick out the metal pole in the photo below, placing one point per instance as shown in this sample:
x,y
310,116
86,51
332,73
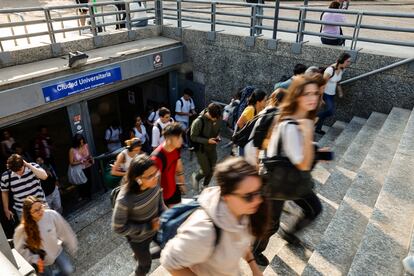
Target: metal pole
x,y
276,18
12,30
179,20
358,28
158,12
213,16
50,26
253,21
128,15
301,24
92,18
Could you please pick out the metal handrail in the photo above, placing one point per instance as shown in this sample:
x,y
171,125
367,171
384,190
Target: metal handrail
x,y
385,68
255,14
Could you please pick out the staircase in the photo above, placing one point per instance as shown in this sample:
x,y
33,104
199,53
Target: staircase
x,y
365,227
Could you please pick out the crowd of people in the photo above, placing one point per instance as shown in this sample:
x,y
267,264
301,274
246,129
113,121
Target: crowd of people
x,y
274,137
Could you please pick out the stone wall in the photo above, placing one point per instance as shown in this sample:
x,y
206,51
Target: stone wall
x,y
227,63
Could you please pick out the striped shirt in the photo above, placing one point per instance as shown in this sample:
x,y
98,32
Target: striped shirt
x,y
133,213
22,186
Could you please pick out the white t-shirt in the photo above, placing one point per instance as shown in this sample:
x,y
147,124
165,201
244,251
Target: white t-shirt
x,y
113,134
141,135
330,88
153,116
157,139
183,106
292,140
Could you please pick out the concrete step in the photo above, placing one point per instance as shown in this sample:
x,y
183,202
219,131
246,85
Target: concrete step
x,y
322,171
387,236
335,251
333,132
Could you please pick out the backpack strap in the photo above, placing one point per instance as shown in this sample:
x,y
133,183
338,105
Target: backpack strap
x,y
159,128
182,103
218,234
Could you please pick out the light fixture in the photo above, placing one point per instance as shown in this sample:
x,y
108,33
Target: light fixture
x,y
77,59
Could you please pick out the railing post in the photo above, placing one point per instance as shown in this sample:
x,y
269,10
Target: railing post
x,y
213,16
12,29
356,31
128,15
93,19
301,23
1,46
159,18
179,19
50,26
253,20
276,19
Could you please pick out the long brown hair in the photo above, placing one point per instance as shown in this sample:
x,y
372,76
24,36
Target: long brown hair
x,y
289,104
33,240
229,174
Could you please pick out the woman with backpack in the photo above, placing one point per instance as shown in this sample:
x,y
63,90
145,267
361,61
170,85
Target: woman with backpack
x,y
332,76
40,238
290,158
256,103
218,234
138,207
124,158
332,17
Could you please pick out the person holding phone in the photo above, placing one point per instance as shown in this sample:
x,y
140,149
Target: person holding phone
x,y
204,134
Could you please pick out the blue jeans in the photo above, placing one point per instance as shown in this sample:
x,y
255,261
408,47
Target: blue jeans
x,y
329,110
64,265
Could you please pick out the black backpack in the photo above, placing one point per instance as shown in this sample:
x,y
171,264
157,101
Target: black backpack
x,y
256,129
244,102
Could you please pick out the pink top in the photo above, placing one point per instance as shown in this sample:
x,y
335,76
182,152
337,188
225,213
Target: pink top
x,y
82,155
332,18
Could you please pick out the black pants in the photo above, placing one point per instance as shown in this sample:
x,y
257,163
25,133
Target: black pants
x,y
142,255
311,207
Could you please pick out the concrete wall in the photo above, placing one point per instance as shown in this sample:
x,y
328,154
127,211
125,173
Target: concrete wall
x,y
227,63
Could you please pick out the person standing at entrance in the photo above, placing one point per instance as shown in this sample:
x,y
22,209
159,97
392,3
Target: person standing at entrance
x,y
205,132
184,109
167,158
159,125
113,136
43,146
79,155
22,179
140,132
50,186
333,75
138,207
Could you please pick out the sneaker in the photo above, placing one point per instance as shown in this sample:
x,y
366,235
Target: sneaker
x,y
261,260
289,237
194,182
320,131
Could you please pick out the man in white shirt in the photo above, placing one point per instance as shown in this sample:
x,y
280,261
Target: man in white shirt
x,y
113,137
184,109
159,125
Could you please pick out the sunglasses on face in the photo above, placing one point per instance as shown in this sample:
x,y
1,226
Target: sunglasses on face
x,y
249,197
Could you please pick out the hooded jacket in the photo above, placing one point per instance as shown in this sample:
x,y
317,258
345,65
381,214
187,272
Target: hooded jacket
x,y
194,245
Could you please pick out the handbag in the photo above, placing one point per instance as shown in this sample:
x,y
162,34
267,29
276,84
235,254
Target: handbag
x,y
76,176
283,181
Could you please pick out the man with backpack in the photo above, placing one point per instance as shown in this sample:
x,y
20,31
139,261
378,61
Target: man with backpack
x,y
167,158
159,125
284,83
113,136
205,132
184,109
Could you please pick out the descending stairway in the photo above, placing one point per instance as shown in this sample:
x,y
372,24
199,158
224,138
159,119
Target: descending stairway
x,y
366,225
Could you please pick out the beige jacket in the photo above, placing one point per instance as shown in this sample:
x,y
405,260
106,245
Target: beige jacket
x,y
194,244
